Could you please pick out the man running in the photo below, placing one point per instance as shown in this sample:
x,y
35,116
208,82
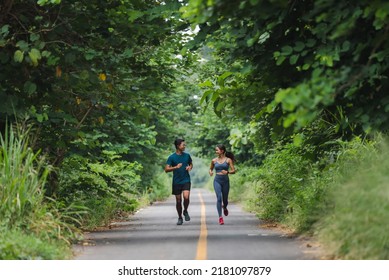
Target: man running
x,y
180,163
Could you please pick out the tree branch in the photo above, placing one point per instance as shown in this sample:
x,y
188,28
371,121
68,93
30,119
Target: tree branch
x,y
84,117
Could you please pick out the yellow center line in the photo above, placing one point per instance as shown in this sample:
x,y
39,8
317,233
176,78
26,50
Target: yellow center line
x,y
202,244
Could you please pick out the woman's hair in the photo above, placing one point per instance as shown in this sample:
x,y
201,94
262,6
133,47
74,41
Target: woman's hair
x,y
178,142
228,154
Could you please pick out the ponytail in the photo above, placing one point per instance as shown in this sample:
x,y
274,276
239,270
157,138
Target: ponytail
x,y
230,155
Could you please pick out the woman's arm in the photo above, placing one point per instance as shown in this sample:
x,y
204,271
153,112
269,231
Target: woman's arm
x,y
232,167
211,168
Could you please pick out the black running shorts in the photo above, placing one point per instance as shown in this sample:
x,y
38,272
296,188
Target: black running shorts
x,y
178,188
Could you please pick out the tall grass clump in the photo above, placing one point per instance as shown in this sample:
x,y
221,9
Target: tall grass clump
x,y
23,175
31,227
356,224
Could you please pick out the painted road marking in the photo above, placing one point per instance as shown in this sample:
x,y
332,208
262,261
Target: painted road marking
x,y
202,243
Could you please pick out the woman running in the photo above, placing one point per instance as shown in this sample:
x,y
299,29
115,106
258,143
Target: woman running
x,y
223,165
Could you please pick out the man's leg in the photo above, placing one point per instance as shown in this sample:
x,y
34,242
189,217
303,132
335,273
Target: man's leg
x,y
179,209
186,204
186,195
179,205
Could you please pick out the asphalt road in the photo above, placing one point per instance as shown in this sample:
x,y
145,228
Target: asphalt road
x,y
152,234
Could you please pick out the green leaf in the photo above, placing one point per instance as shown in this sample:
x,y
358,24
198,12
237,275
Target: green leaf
x,y
251,42
222,78
215,96
381,56
34,37
134,15
4,29
298,140
90,54
34,55
345,46
287,50
29,87
22,45
46,54
381,17
45,2
262,39
329,61
84,75
289,120
280,60
205,96
207,83
293,59
18,56
128,53
39,117
310,43
299,46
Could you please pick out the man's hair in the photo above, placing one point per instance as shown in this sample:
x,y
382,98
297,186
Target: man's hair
x,y
178,142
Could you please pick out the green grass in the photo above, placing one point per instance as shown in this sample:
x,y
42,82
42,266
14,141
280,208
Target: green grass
x,y
356,227
17,245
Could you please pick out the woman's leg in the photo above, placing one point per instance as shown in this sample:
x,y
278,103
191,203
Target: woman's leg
x,y
225,192
218,191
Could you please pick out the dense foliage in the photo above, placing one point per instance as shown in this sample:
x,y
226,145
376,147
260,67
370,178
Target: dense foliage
x,y
98,80
296,85
289,64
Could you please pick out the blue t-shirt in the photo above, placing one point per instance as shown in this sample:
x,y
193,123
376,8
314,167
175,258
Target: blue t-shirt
x,y
180,175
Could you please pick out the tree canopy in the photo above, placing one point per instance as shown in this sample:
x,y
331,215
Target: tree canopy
x,y
289,65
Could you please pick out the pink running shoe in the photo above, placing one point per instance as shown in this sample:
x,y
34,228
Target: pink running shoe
x,y
221,221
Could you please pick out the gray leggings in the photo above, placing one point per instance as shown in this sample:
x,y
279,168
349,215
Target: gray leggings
x,y
221,185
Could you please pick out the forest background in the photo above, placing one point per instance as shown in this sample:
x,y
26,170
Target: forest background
x,y
93,94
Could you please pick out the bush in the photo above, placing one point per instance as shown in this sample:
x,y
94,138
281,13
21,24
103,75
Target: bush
x,y
244,187
282,177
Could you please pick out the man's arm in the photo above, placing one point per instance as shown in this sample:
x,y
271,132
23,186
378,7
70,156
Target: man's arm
x,y
169,168
189,167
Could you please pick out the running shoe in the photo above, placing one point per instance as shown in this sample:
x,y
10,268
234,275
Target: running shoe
x,y
225,210
180,221
221,221
186,215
